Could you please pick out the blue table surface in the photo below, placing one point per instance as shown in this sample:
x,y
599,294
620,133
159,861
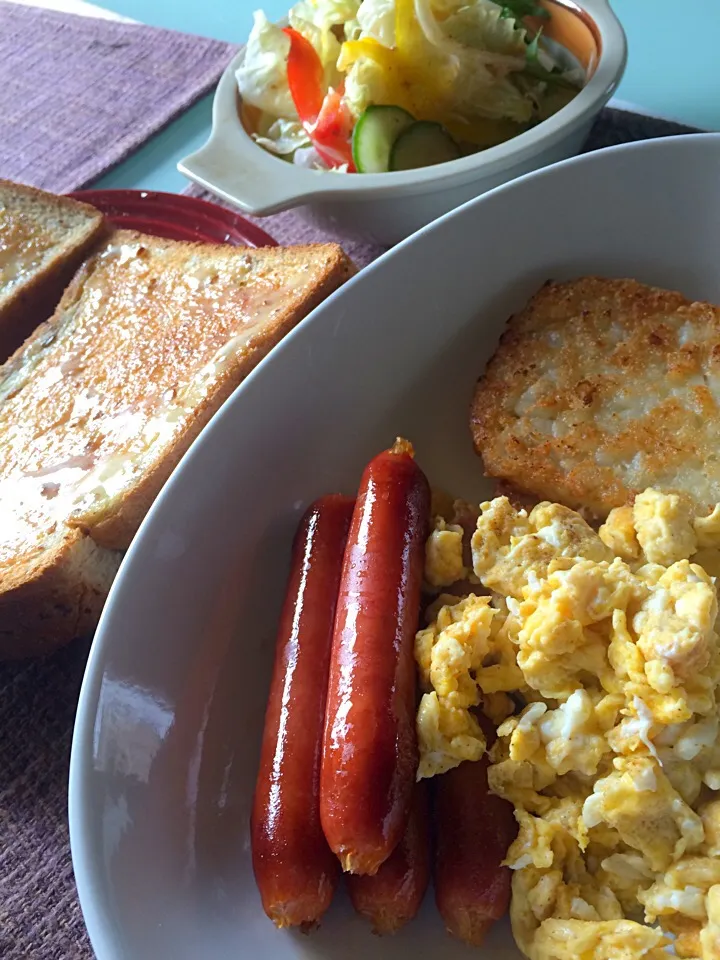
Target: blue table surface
x,y
673,69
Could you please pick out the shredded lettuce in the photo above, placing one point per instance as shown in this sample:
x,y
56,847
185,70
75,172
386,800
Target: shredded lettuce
x,y
315,20
435,76
540,65
280,136
376,18
309,158
364,81
473,96
364,85
326,14
483,48
478,29
474,65
483,27
462,60
262,76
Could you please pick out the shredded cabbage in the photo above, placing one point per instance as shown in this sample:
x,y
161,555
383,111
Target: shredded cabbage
x,y
364,85
280,136
306,17
477,34
376,18
487,47
262,76
309,158
325,14
464,63
482,26
455,70
364,80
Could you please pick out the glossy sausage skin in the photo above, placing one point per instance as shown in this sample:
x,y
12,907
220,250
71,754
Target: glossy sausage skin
x,y
393,896
295,870
370,745
473,830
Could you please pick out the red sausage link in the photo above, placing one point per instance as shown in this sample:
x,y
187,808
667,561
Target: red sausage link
x,y
474,829
370,746
295,870
393,896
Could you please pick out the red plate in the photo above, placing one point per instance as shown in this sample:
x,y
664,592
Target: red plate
x,y
175,216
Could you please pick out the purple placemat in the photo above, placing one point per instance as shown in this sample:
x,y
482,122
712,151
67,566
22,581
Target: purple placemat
x,y
611,128
40,917
39,912
78,94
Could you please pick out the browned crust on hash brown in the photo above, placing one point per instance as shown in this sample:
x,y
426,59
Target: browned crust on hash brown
x,y
600,388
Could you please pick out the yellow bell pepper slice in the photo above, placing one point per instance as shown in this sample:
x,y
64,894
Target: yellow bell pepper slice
x,y
417,77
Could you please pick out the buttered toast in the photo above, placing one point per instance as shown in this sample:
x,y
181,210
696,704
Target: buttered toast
x,y
101,402
43,239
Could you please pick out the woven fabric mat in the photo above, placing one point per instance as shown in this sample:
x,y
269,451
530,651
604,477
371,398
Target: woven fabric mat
x,y
611,128
78,94
39,913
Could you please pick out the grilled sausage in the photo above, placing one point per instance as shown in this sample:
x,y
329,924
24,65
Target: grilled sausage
x,y
393,896
473,830
370,745
295,870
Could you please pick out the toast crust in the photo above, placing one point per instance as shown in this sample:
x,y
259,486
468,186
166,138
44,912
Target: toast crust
x,y
43,240
48,599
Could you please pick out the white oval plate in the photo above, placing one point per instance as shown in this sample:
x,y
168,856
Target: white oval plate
x,y
171,709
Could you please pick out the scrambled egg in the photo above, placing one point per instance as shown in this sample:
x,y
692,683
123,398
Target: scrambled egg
x,y
597,655
444,562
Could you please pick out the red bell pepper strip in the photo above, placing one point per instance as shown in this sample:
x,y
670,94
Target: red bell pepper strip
x,y
325,118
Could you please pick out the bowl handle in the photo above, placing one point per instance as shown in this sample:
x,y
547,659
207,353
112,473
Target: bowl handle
x,y
246,181
252,179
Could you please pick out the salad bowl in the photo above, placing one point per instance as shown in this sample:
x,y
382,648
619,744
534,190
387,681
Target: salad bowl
x,y
387,207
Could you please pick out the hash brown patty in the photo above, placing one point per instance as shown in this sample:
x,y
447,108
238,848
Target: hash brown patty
x,y
600,388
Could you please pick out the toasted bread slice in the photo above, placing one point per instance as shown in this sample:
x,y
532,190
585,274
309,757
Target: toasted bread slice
x,y
52,595
102,401
601,388
43,239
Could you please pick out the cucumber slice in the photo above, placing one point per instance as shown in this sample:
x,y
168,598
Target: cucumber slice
x,y
423,144
374,135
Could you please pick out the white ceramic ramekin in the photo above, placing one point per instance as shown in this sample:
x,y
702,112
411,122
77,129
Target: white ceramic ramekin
x,y
389,206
